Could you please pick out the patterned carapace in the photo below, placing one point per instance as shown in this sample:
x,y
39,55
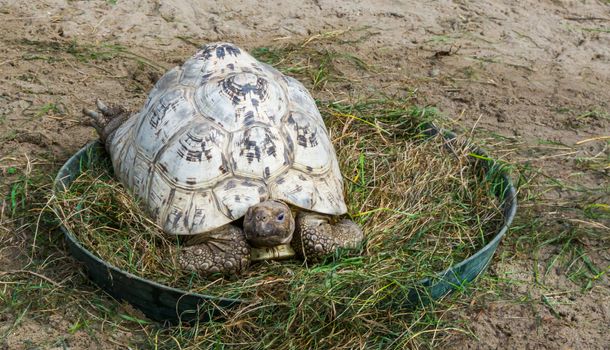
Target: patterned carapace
x,y
221,133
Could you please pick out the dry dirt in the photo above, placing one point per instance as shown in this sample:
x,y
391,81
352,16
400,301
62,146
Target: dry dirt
x,y
530,76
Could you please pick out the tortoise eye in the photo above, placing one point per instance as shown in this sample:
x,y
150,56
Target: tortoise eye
x,y
280,217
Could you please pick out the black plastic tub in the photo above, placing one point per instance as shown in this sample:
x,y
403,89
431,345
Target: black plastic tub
x,y
166,304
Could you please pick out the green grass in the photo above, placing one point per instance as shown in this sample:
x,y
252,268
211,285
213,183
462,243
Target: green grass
x,y
597,30
51,51
320,65
45,109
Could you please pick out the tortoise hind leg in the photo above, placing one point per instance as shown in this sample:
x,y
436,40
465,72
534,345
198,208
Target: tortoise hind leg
x,y
107,120
315,237
223,251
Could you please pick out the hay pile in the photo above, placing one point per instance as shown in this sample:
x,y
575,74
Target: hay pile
x,y
422,202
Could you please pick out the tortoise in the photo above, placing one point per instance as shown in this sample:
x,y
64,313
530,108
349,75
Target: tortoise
x,y
234,154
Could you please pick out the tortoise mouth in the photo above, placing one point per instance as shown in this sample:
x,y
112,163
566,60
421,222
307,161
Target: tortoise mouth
x,y
279,252
271,239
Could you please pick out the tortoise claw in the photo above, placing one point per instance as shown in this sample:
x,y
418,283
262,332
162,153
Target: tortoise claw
x,y
107,119
97,120
104,108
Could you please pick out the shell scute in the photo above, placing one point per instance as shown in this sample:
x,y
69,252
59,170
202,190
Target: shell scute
x,y
313,152
169,114
241,99
236,195
195,158
258,152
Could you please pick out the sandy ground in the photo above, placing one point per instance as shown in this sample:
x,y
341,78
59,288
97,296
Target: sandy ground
x,y
532,74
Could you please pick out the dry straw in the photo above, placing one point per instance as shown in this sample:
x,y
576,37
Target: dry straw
x,y
421,202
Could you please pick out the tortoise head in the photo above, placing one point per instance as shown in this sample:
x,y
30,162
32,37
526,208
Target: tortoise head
x,y
268,224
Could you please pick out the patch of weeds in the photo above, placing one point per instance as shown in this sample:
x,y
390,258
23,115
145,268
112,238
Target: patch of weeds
x,y
595,156
596,30
270,55
582,270
564,248
383,113
594,114
568,241
572,258
45,109
470,73
82,52
563,110
440,39
319,64
18,192
597,211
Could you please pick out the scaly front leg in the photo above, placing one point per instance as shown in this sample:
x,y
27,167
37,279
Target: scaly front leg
x,y
223,251
315,237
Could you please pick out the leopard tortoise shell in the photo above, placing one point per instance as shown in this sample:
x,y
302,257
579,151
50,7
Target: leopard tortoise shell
x,y
221,133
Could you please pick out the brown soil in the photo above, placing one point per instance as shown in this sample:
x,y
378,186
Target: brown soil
x,y
531,77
